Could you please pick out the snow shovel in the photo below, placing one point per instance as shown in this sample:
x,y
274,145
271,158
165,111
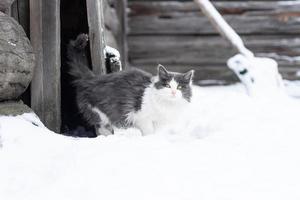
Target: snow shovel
x,y
259,75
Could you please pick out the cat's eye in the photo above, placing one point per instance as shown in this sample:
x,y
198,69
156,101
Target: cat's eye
x,y
167,85
179,87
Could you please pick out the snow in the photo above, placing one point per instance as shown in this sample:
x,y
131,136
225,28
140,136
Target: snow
x,y
112,51
292,88
231,146
259,75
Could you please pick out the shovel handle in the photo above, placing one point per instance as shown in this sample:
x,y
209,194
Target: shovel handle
x,y
223,27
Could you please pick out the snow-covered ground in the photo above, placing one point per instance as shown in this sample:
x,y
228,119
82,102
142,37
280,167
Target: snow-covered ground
x,y
229,147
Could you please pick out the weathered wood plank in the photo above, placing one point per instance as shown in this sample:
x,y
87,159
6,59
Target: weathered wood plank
x,y
45,38
96,34
210,0
173,17
111,19
20,12
121,7
211,50
13,11
221,73
110,39
5,5
207,49
207,72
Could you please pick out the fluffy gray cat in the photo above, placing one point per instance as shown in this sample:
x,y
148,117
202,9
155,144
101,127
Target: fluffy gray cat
x,y
129,98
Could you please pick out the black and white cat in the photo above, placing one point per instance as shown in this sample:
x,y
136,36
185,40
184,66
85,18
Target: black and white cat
x,y
127,98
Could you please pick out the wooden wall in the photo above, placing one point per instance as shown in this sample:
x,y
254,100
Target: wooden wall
x,y
176,34
115,17
49,29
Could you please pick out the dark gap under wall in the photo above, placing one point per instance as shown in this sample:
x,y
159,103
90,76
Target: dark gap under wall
x,y
73,22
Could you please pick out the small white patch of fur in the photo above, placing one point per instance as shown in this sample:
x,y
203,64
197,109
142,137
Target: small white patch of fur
x,y
173,84
104,120
103,117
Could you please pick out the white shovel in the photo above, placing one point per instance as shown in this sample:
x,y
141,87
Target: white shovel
x,y
259,75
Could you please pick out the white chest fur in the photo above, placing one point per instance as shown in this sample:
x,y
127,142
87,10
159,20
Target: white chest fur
x,y
157,111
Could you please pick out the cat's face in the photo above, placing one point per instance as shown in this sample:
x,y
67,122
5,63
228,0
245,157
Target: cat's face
x,y
174,86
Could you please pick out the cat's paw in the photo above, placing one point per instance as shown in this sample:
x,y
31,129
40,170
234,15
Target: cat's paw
x,y
115,64
104,130
81,41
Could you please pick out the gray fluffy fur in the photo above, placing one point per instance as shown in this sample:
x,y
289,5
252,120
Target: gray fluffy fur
x,y
114,94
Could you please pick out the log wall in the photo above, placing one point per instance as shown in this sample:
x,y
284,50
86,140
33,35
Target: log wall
x,y
176,33
115,26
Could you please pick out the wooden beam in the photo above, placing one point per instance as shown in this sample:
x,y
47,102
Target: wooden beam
x,y
111,19
8,11
202,72
96,34
45,38
19,10
218,72
121,6
194,51
277,17
5,5
14,11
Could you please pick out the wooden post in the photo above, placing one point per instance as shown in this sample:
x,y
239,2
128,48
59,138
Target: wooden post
x,y
19,10
14,11
45,38
8,11
96,34
121,7
5,6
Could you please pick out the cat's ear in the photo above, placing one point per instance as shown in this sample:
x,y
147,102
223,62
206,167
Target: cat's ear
x,y
161,71
189,75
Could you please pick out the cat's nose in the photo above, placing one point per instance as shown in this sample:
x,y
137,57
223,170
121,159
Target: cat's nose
x,y
173,92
